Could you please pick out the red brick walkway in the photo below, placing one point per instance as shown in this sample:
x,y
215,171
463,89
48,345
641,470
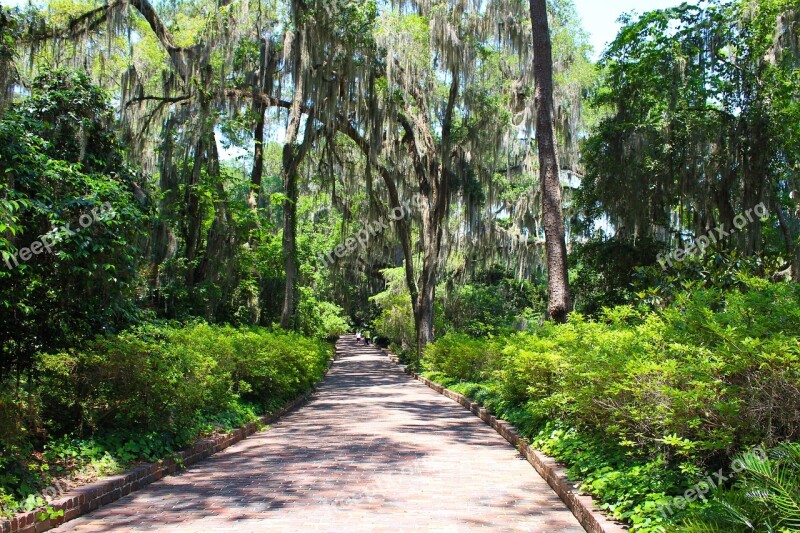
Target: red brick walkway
x,y
373,451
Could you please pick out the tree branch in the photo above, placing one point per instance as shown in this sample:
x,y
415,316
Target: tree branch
x,y
75,27
161,99
264,98
176,53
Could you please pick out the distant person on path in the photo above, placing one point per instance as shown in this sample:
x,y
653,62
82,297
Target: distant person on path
x,y
358,337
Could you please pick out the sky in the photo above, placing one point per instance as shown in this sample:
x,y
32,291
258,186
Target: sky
x,y
600,16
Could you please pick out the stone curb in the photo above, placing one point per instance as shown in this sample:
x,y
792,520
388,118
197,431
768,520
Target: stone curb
x,y
82,500
582,506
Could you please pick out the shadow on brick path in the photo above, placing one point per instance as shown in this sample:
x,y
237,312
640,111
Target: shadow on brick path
x,y
374,450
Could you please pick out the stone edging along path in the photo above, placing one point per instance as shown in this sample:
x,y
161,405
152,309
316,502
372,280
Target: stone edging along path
x,y
582,506
82,500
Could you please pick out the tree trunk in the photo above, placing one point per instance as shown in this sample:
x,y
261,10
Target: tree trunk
x,y
193,215
784,225
290,164
258,157
796,264
262,85
289,240
756,161
402,225
552,206
427,291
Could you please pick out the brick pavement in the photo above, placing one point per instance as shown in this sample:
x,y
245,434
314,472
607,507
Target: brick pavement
x,y
374,450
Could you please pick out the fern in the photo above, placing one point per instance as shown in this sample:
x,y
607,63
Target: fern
x,y
766,498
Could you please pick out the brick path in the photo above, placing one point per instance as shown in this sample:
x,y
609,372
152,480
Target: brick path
x,y
373,451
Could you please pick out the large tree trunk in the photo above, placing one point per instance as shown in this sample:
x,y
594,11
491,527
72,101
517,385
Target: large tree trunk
x,y
434,212
290,163
193,216
424,315
552,207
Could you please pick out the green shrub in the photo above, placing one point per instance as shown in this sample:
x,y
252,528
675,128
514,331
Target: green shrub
x,y
462,357
141,394
60,161
396,320
270,369
493,301
602,271
323,320
146,379
676,392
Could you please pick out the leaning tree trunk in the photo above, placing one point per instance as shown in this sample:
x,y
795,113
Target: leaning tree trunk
x,y
403,225
552,206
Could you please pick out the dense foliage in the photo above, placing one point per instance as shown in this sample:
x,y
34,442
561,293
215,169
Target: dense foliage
x,y
63,164
702,124
642,404
140,395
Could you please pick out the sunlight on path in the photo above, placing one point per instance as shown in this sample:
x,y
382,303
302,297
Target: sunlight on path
x,y
373,451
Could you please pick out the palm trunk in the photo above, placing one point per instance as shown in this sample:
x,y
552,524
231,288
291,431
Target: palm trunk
x,y
552,206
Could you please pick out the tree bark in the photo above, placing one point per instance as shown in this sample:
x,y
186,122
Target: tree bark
x,y
258,157
796,264
262,85
784,225
290,164
177,54
431,240
193,216
289,242
552,206
434,210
